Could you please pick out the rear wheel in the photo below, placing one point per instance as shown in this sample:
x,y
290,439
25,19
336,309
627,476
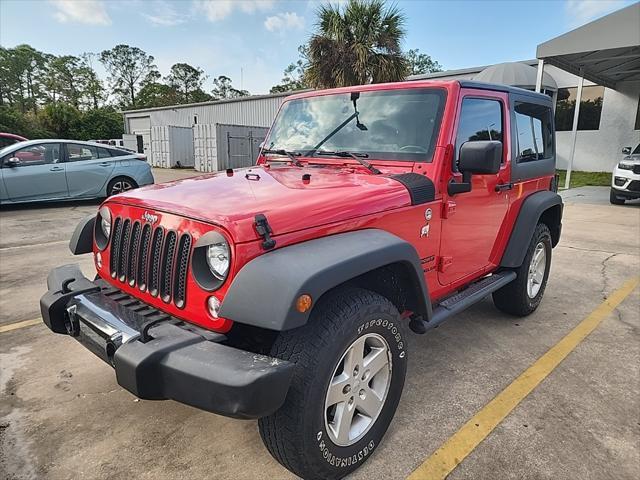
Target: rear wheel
x,y
522,296
350,365
614,199
119,185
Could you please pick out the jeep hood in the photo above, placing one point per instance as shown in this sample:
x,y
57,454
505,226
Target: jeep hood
x,y
332,194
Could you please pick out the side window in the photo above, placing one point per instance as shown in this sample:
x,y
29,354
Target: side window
x,y
79,153
480,119
119,153
104,153
534,132
41,154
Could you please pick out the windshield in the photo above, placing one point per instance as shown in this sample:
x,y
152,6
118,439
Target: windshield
x,y
386,124
637,150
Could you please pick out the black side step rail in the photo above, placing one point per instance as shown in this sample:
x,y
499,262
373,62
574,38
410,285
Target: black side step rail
x,y
462,300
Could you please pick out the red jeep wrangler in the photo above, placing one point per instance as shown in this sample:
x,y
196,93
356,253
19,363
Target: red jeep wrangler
x,y
281,291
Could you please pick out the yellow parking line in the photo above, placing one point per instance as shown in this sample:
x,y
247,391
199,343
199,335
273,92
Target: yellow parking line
x,y
444,460
17,325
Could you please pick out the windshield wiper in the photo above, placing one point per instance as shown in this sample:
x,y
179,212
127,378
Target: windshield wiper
x,y
280,151
359,157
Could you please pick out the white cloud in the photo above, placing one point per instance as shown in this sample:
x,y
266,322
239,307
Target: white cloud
x,y
284,21
583,11
163,14
216,10
92,12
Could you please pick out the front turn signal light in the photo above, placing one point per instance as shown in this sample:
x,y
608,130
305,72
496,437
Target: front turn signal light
x,y
303,304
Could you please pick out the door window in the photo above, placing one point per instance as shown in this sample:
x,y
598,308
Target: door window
x,y
480,119
79,153
41,154
534,132
104,153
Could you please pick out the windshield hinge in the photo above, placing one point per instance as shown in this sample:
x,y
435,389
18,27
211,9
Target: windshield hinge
x,y
264,230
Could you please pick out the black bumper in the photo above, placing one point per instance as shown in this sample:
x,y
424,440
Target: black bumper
x,y
157,357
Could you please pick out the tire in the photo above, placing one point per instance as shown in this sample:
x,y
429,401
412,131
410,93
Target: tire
x,y
517,297
126,183
614,199
302,435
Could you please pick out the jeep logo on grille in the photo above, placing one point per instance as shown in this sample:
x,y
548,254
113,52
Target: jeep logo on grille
x,y
147,217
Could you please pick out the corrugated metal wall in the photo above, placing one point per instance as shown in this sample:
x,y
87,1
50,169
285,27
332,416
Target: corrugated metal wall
x,y
171,146
218,147
258,112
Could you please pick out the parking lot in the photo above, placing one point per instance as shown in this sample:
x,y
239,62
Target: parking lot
x,y
63,416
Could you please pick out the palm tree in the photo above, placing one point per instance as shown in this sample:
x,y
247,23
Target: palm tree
x,y
358,45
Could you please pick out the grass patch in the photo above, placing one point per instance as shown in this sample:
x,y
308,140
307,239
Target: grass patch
x,y
583,179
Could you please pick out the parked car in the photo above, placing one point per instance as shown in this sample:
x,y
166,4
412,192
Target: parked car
x,y
625,181
7,139
39,170
284,291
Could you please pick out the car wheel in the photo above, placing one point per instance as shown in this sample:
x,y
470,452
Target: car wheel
x,y
119,185
523,295
350,364
614,199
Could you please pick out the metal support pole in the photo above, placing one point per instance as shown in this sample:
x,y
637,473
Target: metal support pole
x,y
574,130
539,75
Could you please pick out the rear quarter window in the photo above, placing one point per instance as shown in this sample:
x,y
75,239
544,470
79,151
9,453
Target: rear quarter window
x,y
534,132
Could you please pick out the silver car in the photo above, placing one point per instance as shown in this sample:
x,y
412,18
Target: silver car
x,y
38,170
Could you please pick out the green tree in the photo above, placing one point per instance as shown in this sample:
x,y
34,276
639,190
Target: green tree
x,y
60,118
420,63
92,87
154,93
224,89
293,78
127,67
357,44
100,123
22,70
187,81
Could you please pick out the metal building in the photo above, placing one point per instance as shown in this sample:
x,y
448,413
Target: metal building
x,y
249,117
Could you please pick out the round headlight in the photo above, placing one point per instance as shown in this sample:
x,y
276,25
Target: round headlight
x,y
105,225
218,259
102,230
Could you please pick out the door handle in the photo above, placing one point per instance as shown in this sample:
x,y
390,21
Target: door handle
x,y
56,169
501,187
104,164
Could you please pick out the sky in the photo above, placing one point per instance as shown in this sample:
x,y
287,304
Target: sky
x,y
252,41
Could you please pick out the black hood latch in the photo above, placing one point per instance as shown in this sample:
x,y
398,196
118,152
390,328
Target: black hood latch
x,y
264,230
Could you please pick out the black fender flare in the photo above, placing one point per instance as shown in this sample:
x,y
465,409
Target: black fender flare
x,y
545,204
82,239
265,290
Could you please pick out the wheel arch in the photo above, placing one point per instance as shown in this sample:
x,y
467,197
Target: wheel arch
x,y
545,207
372,258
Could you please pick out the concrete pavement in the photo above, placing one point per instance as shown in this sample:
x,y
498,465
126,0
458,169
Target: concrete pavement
x,y
63,416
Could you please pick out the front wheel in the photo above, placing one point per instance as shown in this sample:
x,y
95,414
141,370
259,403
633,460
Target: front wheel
x,y
615,199
350,364
523,295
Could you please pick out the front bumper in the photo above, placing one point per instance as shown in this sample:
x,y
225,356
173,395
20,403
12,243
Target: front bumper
x,y
157,357
626,183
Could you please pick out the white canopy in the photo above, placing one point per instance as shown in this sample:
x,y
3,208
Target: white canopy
x,y
515,74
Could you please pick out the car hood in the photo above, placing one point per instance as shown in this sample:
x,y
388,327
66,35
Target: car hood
x,y
290,203
633,158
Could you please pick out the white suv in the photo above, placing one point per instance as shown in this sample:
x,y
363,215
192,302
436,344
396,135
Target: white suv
x,y
625,181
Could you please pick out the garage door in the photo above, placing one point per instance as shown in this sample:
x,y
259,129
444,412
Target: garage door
x,y
139,124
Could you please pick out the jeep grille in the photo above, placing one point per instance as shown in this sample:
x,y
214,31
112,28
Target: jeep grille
x,y
155,260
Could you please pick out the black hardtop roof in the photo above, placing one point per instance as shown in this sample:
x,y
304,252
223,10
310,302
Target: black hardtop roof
x,y
505,88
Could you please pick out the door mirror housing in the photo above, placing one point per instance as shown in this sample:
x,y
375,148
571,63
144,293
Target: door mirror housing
x,y
12,162
480,158
476,158
626,150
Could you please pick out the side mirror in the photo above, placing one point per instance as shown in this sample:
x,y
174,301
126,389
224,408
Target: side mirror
x,y
477,158
12,162
626,150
